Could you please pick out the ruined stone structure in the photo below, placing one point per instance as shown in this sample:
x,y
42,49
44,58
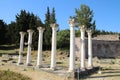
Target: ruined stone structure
x,y
104,46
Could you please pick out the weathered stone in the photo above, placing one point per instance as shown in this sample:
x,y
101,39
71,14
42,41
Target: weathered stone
x,y
40,41
53,51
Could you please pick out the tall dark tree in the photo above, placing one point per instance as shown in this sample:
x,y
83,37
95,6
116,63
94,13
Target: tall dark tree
x,y
52,17
26,20
11,33
2,32
49,18
22,20
47,32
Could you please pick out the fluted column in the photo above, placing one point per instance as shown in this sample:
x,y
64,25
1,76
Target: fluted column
x,y
82,29
53,52
40,41
22,34
30,32
90,63
72,45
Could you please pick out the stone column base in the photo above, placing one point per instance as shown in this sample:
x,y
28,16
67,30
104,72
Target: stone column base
x,y
28,64
71,71
53,68
19,63
91,67
39,66
83,69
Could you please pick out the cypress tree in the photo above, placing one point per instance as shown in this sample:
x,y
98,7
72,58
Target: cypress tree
x,y
52,17
47,32
2,32
49,19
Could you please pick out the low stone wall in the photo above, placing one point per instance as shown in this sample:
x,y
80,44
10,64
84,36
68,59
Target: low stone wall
x,y
106,49
113,37
101,48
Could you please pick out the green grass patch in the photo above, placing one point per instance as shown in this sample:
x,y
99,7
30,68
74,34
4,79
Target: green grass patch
x,y
8,49
9,75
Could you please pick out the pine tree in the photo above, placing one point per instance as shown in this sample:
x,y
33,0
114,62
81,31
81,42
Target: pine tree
x,y
49,19
2,32
47,32
84,16
52,17
22,20
26,20
11,33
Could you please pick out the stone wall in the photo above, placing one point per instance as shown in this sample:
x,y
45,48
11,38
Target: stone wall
x,y
102,48
115,37
107,46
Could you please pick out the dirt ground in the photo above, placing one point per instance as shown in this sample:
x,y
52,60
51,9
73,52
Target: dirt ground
x,y
110,70
33,74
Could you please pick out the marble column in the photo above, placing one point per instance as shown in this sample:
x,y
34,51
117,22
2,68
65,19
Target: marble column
x,y
82,29
30,33
90,63
53,52
22,34
40,41
72,45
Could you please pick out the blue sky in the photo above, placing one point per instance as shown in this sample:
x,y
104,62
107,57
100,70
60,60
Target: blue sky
x,y
106,12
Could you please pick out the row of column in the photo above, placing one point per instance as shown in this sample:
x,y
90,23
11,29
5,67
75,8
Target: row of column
x,y
40,41
82,46
53,52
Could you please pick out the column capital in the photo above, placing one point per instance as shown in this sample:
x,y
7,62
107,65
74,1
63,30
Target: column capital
x,y
41,28
54,25
71,22
22,32
30,30
89,32
82,28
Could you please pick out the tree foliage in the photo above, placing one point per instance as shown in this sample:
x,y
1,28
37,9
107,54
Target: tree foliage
x,y
63,39
26,20
49,19
2,32
52,17
84,16
9,34
12,33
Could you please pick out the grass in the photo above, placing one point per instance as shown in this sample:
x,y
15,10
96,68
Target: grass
x,y
8,49
9,75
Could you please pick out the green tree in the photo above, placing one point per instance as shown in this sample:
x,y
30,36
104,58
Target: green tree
x,y
84,16
22,21
48,31
49,19
52,17
26,20
77,33
63,39
2,32
38,23
11,33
